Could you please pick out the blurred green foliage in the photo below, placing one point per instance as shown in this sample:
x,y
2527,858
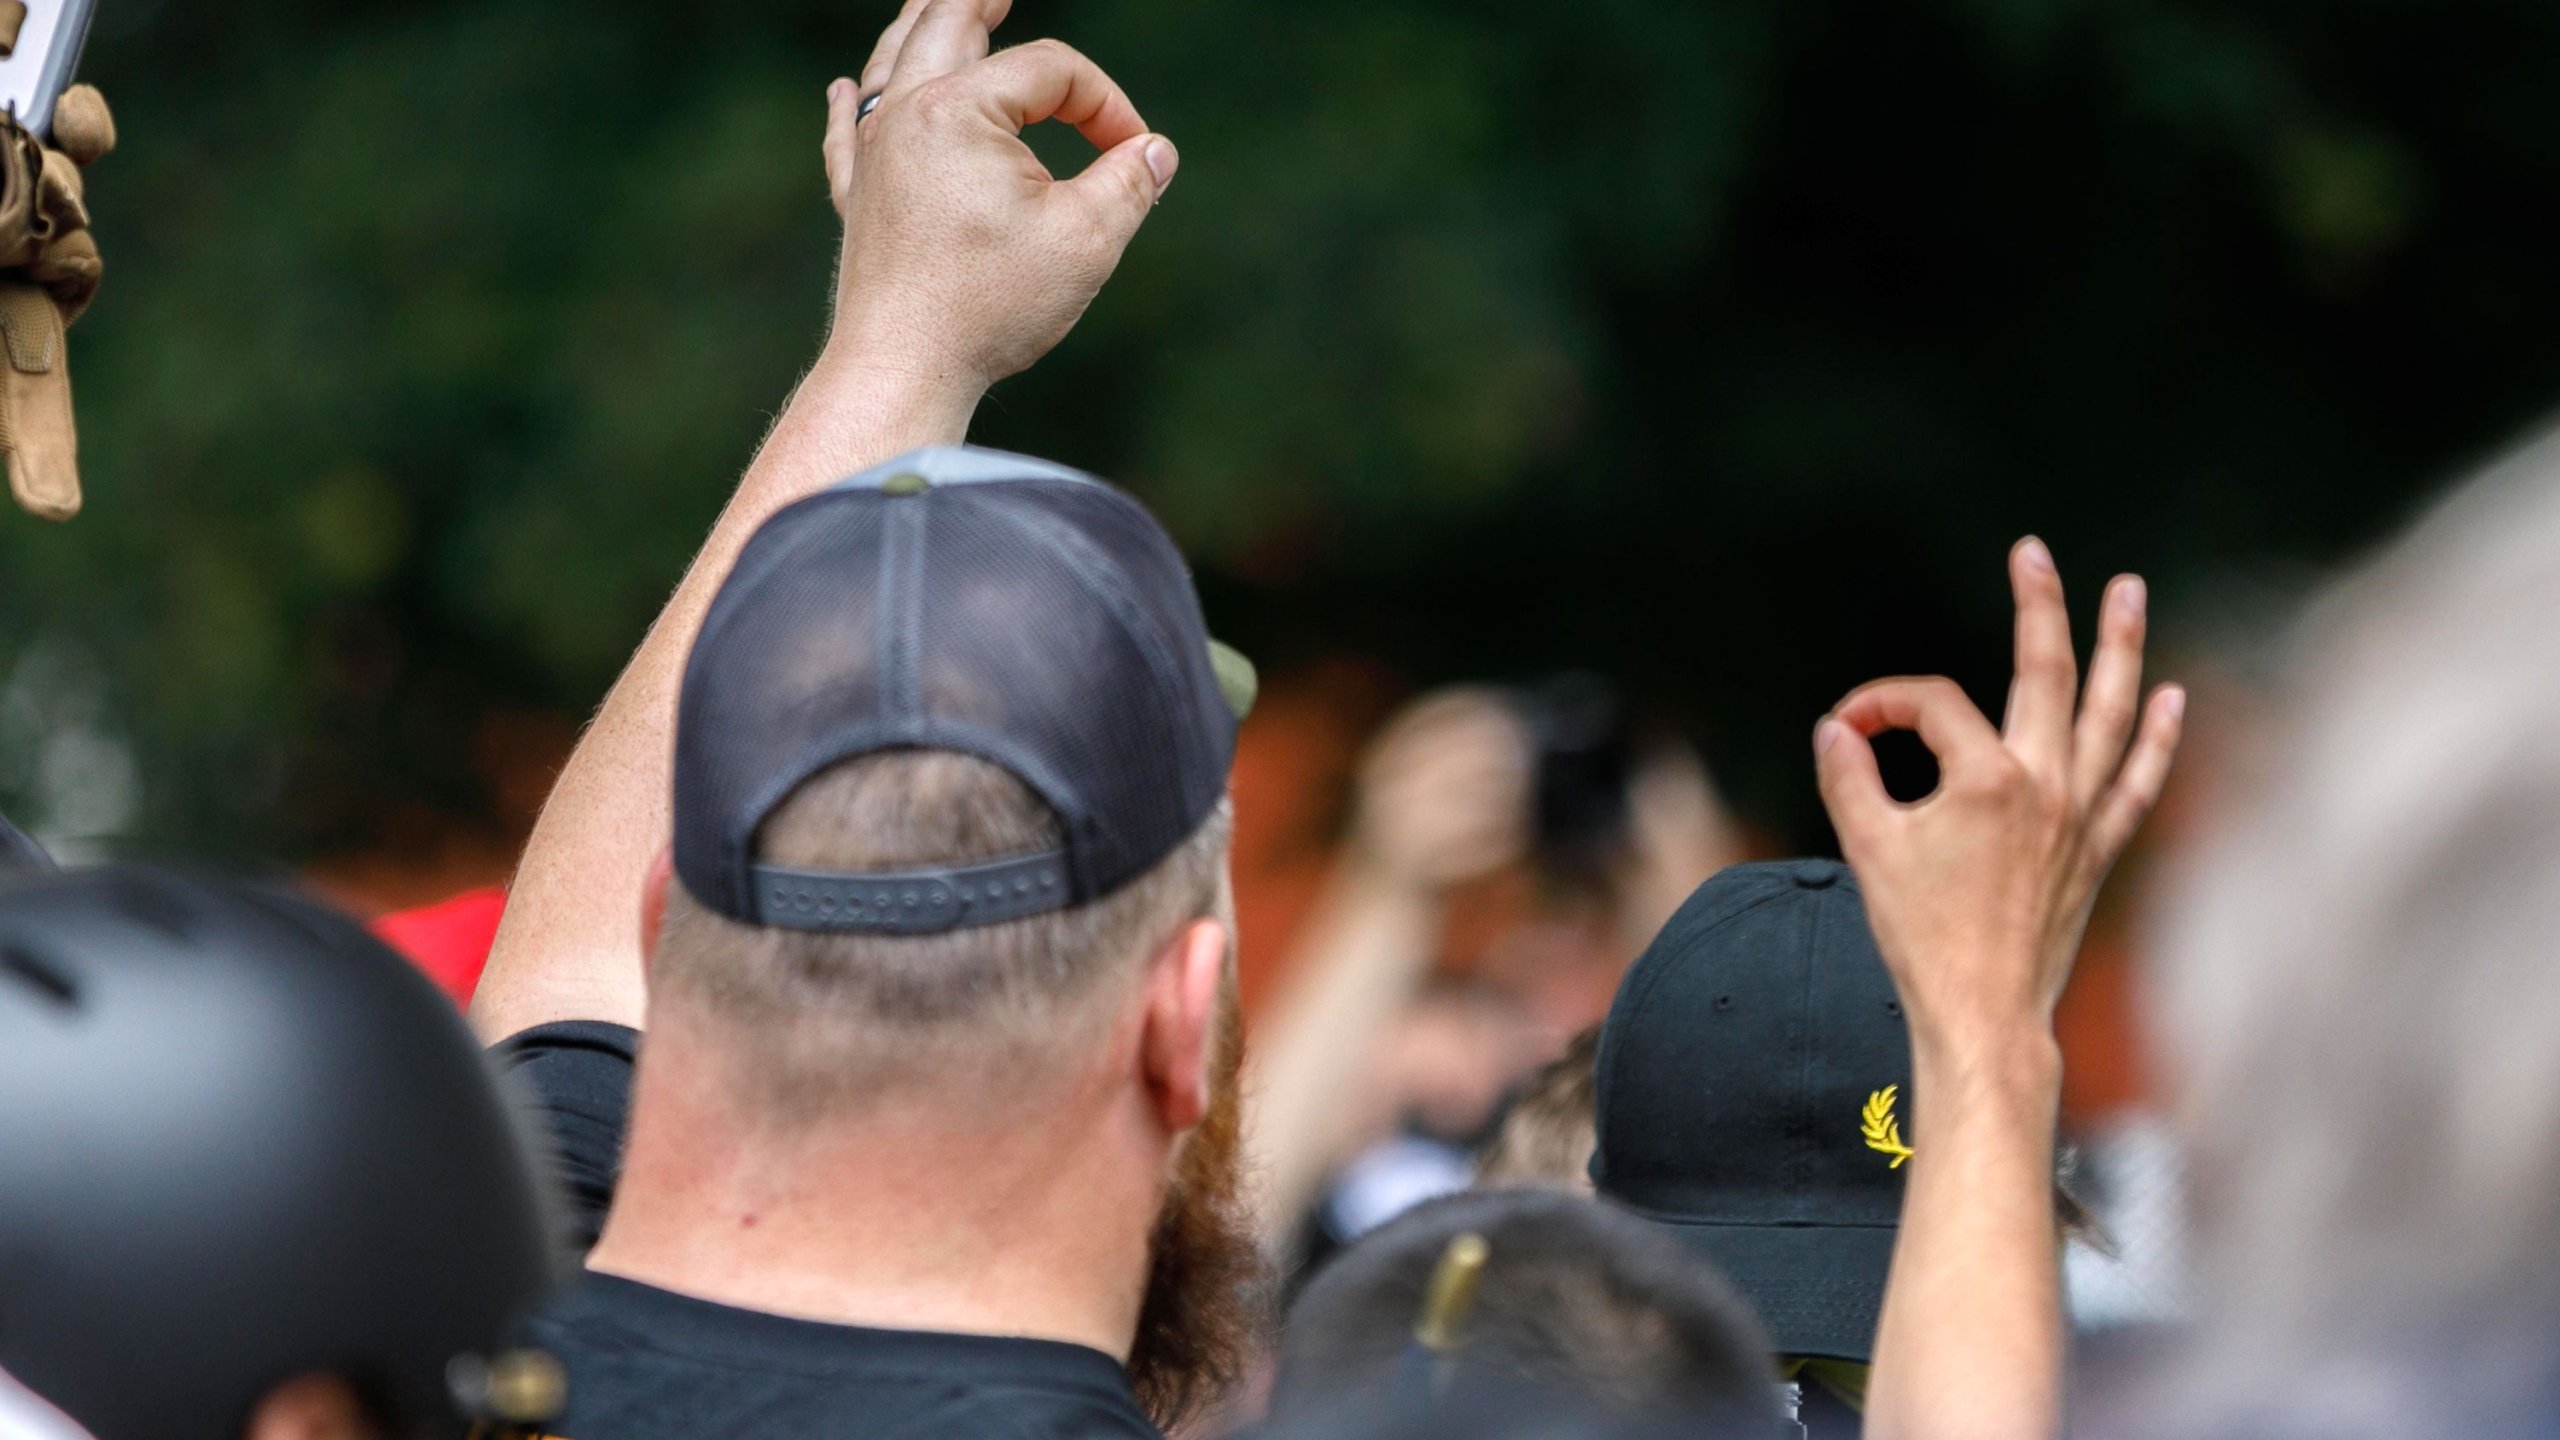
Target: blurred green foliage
x,y
1717,344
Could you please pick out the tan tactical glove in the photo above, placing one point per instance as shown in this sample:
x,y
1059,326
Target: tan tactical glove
x,y
49,269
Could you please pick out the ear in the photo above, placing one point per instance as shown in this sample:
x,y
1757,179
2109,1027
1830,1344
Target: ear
x,y
1182,1022
653,905
311,1407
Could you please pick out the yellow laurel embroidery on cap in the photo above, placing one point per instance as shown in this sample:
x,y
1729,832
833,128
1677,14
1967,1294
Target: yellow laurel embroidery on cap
x,y
1883,1132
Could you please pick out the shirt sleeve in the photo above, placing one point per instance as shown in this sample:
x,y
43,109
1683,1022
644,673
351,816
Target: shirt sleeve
x,y
578,1076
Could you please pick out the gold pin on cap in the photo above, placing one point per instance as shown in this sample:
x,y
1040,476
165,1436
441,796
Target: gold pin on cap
x,y
1452,1295
511,1387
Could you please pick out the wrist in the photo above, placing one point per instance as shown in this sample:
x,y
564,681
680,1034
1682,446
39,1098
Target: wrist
x,y
905,386
2017,1068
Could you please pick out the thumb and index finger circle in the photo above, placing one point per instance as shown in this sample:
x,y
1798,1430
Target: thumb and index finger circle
x,y
1933,707
1050,80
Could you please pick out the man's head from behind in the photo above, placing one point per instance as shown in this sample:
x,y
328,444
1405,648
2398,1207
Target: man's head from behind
x,y
813,1022
1574,1297
951,835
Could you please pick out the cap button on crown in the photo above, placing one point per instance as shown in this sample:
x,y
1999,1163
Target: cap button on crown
x,y
905,482
1817,874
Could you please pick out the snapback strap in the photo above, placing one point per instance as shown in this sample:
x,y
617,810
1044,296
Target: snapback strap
x,y
910,902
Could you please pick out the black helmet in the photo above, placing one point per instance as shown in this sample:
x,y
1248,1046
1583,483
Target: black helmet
x,y
242,1141
19,852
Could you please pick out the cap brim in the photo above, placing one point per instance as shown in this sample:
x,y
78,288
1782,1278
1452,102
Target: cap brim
x,y
1238,681
1818,1288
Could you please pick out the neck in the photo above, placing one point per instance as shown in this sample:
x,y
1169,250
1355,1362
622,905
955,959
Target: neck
x,y
920,1212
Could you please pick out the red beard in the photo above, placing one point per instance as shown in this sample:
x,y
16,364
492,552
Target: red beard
x,y
1207,1305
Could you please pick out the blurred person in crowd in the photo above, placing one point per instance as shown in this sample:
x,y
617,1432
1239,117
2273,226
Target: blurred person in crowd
x,y
1548,1132
1437,1076
935,1128
2355,991
1374,1085
258,1181
1977,896
1441,799
1571,1295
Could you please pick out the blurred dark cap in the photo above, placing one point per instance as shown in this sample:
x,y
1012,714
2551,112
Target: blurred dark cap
x,y
1749,1096
1478,1407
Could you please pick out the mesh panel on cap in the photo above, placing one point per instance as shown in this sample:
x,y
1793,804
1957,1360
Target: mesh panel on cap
x,y
1046,624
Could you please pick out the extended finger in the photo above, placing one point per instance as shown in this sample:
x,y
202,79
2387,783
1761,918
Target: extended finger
x,y
843,112
1933,707
2146,773
949,35
2114,698
884,56
1050,80
2041,696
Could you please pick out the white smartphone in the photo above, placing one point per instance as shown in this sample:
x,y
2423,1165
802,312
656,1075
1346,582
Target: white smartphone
x,y
39,65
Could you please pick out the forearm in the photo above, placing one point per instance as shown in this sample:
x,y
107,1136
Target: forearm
x,y
1971,1342
569,945
1365,950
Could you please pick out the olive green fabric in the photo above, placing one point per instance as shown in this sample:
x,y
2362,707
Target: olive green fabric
x,y
1844,1380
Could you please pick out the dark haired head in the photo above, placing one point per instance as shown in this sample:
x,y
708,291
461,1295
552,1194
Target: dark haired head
x,y
1492,1410
1577,1298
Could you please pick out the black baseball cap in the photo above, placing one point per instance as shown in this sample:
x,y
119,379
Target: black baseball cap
x,y
1751,1088
964,600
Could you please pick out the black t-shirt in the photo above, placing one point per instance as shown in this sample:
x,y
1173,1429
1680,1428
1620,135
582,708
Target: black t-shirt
x,y
650,1364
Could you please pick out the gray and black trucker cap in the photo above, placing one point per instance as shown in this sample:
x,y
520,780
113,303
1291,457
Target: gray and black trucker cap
x,y
952,599
1752,1093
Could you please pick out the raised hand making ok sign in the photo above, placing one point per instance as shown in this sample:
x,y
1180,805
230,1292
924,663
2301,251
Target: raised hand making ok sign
x,y
1978,893
964,257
